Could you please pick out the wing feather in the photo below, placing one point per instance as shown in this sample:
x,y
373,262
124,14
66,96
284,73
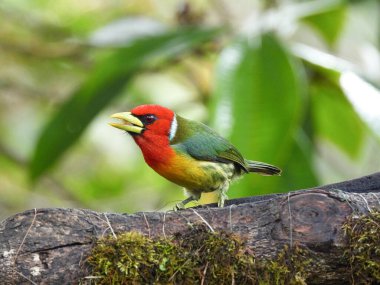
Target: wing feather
x,y
203,143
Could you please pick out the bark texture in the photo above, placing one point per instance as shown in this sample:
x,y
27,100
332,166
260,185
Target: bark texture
x,y
50,246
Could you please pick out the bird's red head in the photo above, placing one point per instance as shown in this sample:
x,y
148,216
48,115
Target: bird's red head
x,y
157,120
151,126
146,120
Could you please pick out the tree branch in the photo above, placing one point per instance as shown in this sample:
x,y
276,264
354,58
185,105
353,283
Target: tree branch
x,y
50,246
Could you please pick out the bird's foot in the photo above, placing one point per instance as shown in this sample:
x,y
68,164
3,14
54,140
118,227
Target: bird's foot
x,y
222,199
181,205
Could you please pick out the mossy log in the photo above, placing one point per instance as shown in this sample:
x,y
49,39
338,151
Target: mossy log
x,y
51,246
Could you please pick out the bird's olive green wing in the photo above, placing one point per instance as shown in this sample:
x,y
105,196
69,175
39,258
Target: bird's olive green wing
x,y
203,143
232,154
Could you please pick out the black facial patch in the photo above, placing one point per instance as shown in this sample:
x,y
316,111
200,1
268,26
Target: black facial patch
x,y
147,119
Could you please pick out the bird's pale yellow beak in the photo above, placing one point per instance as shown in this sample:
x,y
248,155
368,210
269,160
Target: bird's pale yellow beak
x,y
129,122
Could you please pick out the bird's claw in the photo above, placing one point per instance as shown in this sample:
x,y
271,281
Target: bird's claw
x,y
179,206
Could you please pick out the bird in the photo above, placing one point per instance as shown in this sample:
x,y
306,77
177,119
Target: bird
x,y
186,152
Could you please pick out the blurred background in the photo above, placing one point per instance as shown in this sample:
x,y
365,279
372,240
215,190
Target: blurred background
x,y
292,83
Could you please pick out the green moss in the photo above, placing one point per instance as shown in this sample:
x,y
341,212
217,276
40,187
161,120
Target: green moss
x,y
199,256
290,267
193,257
133,258
363,252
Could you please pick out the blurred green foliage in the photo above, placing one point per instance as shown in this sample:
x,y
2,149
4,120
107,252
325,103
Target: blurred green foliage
x,y
267,77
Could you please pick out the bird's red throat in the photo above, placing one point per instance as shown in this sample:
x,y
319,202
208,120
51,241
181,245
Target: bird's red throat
x,y
155,148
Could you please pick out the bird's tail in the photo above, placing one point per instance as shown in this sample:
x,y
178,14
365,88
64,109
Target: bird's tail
x,y
262,168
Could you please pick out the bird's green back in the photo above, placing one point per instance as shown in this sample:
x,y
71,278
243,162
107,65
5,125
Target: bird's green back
x,y
203,143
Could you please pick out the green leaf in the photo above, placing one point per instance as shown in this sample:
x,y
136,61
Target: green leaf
x,y
329,22
299,169
335,120
258,105
102,86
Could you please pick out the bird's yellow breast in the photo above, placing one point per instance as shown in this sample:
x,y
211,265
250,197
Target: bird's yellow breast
x,y
195,175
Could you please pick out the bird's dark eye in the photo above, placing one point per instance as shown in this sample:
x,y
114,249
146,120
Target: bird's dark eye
x,y
148,119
